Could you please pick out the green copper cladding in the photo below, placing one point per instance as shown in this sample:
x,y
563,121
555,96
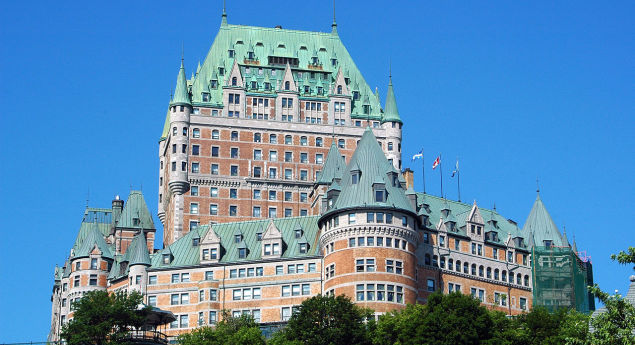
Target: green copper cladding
x,y
181,94
242,42
373,168
540,223
333,167
137,253
135,208
391,114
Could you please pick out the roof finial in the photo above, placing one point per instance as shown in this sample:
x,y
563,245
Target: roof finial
x,y
537,185
334,25
390,70
224,16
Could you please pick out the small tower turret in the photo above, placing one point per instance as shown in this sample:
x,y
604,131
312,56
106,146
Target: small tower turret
x,y
138,261
391,122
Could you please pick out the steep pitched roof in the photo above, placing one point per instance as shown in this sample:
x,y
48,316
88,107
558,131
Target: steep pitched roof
x,y
391,114
135,207
94,238
184,253
137,253
288,44
333,167
181,94
370,160
539,222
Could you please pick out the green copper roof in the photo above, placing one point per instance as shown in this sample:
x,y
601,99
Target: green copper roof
x,y
93,238
459,213
333,167
391,114
283,43
184,253
135,207
181,94
540,223
370,160
166,126
99,218
137,253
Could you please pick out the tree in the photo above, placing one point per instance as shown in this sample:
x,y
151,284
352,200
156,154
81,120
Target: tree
x,y
230,330
327,320
101,318
563,326
446,319
615,325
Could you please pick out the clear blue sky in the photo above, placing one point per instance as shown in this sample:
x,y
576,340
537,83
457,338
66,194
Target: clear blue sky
x,y
515,89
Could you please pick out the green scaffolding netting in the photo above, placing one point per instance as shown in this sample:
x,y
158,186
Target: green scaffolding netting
x,y
560,279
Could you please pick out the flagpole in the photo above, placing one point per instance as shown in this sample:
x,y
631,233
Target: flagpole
x,y
458,178
423,170
441,174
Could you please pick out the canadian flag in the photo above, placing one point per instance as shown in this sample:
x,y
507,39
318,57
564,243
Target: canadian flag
x,y
436,162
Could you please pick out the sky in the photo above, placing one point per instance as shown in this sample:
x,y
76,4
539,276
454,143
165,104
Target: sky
x,y
517,90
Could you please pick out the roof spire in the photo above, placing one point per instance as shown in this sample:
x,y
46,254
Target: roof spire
x,y
537,186
223,21
391,114
334,25
181,94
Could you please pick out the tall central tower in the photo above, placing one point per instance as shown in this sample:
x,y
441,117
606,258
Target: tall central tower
x,y
245,138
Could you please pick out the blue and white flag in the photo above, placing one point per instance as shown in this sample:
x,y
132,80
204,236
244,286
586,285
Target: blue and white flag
x,y
418,155
456,170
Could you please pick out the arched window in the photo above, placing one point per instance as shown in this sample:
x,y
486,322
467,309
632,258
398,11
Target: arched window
x,y
496,274
442,262
519,279
504,276
489,273
234,81
526,280
215,134
339,89
458,266
473,269
450,264
480,271
287,85
466,268
427,259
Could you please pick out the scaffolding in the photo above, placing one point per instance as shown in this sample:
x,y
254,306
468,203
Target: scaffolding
x,y
561,279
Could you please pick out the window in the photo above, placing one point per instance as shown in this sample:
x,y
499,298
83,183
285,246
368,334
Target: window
x,y
523,303
273,156
257,171
379,292
256,213
303,197
510,256
312,267
272,195
288,196
213,209
152,280
234,136
233,152
365,265
233,210
430,285
303,175
93,263
137,279
452,287
242,253
319,158
214,169
288,156
273,172
209,275
272,212
389,146
93,279
304,141
194,191
195,167
287,212
183,321
233,170
341,144
442,241
185,298
257,194
380,195
394,266
351,218
233,193
457,244
194,208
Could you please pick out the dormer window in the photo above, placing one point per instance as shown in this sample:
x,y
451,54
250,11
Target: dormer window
x,y
320,90
287,85
307,89
221,70
355,95
347,80
339,89
250,55
267,86
238,238
136,221
302,248
298,233
254,85
242,253
314,60
195,241
380,195
234,81
366,109
548,243
259,236
333,62
231,53
214,83
166,259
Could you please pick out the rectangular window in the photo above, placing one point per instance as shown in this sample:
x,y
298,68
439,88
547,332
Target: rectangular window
x,y
233,170
312,267
351,218
176,278
233,210
273,212
195,150
430,285
152,280
152,301
195,167
93,280
279,270
457,244
194,208
256,212
93,263
214,169
215,151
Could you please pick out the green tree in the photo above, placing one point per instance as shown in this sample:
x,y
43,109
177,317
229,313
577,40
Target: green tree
x,y
326,320
616,324
446,319
230,330
540,326
101,318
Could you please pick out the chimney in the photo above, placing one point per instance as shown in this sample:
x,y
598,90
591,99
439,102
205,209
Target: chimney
x,y
117,207
409,176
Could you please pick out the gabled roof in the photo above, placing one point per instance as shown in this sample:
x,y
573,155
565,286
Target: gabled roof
x,y
135,207
94,238
391,114
540,223
333,167
371,161
181,94
459,213
137,253
185,254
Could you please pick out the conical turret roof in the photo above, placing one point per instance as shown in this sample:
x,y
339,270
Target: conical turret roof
x,y
540,223
333,167
181,94
373,167
137,253
391,114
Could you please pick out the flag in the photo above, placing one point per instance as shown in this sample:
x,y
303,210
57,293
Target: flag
x,y
456,170
436,162
418,155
